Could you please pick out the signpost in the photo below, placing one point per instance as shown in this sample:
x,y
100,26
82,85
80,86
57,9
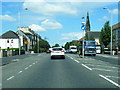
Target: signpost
x,y
83,28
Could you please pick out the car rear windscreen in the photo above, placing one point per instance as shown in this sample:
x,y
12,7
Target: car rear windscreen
x,y
57,49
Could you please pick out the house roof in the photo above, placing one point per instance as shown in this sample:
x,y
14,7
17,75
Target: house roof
x,y
9,34
116,26
95,34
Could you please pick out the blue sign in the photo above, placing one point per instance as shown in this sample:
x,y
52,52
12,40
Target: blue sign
x,y
83,27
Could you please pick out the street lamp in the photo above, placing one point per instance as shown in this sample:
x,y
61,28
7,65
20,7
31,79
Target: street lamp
x,y
111,28
19,22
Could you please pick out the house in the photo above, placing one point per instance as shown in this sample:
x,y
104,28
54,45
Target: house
x,y
8,40
116,35
95,35
28,38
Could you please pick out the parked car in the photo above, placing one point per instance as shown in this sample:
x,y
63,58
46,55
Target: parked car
x,y
57,52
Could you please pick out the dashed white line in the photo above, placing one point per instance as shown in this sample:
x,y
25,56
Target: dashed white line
x,y
26,68
33,63
109,80
20,72
10,77
76,61
86,67
30,65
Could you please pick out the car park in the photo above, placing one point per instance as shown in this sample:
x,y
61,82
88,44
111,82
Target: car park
x,y
57,52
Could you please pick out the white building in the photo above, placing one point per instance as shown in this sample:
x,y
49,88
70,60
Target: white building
x,y
9,40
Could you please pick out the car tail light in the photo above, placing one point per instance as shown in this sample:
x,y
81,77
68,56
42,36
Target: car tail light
x,y
52,51
62,51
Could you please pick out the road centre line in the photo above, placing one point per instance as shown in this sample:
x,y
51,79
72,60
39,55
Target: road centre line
x,y
86,66
33,63
100,65
101,69
26,68
30,65
20,72
76,61
10,77
109,80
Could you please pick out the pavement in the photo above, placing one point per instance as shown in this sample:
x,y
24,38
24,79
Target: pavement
x,y
109,56
39,71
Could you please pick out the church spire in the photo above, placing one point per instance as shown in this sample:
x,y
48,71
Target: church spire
x,y
87,23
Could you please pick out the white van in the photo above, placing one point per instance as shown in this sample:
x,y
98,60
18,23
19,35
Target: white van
x,y
73,49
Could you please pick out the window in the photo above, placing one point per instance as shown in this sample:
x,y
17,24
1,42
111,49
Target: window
x,y
11,41
7,41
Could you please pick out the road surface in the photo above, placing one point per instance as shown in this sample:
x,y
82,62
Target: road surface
x,y
39,71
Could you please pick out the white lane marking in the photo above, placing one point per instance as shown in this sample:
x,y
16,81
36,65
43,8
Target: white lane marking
x,y
10,77
101,69
112,77
26,68
86,67
76,61
109,80
30,65
36,62
101,66
71,57
33,63
20,72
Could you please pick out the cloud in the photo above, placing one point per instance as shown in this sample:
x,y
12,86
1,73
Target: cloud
x,y
7,18
104,18
71,36
37,28
51,24
114,11
51,8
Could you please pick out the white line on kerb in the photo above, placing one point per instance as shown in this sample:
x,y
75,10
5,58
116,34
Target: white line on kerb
x,y
20,72
76,61
109,80
86,67
10,77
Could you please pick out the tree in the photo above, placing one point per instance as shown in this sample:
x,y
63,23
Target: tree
x,y
105,34
56,45
67,45
43,45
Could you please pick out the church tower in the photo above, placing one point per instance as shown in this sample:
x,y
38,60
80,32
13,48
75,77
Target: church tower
x,y
87,23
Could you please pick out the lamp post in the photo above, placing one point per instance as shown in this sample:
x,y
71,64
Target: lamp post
x,y
19,24
83,28
111,28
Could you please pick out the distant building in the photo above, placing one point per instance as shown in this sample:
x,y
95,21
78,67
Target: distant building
x,y
95,35
28,38
9,40
116,35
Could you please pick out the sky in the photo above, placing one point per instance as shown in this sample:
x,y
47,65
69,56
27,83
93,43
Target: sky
x,y
58,22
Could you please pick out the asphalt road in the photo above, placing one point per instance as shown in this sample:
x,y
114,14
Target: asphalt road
x,y
39,71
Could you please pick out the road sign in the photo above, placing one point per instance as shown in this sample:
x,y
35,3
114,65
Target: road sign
x,y
25,42
83,27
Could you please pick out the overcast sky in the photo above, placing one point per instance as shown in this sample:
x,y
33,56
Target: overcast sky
x,y
59,22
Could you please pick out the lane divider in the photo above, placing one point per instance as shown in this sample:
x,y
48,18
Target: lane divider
x,y
10,77
86,67
20,72
109,80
